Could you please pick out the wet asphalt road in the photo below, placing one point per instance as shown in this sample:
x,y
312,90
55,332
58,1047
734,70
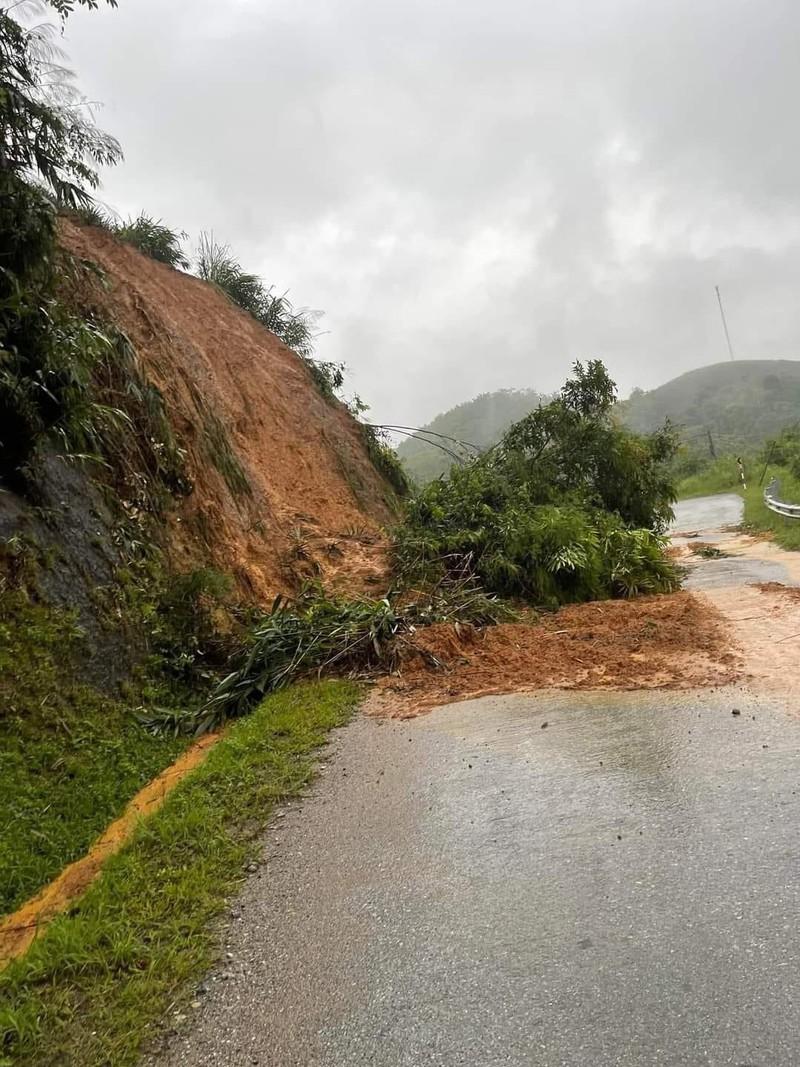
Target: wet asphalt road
x,y
620,887
713,519
472,887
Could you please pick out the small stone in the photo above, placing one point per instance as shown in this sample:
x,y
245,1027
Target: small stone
x,y
735,711
251,868
545,725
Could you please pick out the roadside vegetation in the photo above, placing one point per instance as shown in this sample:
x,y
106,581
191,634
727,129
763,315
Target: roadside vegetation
x,y
759,519
73,750
720,475
73,396
105,975
778,458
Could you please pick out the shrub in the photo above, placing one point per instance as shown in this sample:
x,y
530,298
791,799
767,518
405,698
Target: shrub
x,y
47,136
155,239
567,507
217,265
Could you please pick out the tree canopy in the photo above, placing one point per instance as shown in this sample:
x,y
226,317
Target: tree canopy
x,y
568,505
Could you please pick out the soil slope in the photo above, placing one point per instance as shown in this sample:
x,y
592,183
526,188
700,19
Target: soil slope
x,y
314,504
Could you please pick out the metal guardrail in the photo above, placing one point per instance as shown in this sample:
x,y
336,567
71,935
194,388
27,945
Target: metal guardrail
x,y
780,507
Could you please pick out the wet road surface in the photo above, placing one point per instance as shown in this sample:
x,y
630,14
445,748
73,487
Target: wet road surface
x,y
712,520
557,879
471,887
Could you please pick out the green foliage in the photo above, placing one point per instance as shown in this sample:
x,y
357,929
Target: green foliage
x,y
217,265
480,422
315,632
546,554
720,475
47,129
103,977
70,756
155,239
758,517
319,633
46,372
46,354
385,459
783,450
567,507
185,633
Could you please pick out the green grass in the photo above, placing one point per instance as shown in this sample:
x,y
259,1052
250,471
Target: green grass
x,y
70,756
758,517
722,476
102,978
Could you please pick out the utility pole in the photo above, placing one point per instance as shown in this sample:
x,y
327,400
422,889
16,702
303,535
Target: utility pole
x,y
724,323
711,448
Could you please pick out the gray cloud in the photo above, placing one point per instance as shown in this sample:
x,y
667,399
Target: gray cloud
x,y
475,194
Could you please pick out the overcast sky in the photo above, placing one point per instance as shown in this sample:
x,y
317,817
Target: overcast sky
x,y
476,194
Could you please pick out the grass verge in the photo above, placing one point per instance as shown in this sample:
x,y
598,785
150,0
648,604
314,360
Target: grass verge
x,y
103,976
71,757
758,518
721,476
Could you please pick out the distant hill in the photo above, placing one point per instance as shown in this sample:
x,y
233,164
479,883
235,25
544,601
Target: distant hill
x,y
481,422
740,403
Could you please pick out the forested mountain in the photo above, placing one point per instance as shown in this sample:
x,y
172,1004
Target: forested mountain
x,y
479,422
739,404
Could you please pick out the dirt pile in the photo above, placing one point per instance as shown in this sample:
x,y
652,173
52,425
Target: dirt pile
x,y
677,641
283,484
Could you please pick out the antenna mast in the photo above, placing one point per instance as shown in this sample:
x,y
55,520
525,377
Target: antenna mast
x,y
724,323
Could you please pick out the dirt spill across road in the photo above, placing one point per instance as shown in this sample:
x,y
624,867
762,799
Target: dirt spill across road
x,y
754,586
732,623
675,642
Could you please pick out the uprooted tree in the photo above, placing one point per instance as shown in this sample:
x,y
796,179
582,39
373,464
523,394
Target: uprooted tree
x,y
568,506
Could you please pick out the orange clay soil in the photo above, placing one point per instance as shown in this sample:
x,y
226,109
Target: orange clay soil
x,y
18,930
677,641
317,505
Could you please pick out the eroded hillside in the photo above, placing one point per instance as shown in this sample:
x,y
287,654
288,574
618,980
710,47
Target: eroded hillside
x,y
283,485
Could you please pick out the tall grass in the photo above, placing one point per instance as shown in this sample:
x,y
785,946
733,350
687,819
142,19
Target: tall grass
x,y
217,265
721,476
759,518
155,239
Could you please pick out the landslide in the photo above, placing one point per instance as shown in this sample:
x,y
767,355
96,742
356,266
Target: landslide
x,y
283,484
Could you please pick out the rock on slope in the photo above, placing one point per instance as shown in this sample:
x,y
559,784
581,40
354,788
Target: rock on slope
x,y
310,502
